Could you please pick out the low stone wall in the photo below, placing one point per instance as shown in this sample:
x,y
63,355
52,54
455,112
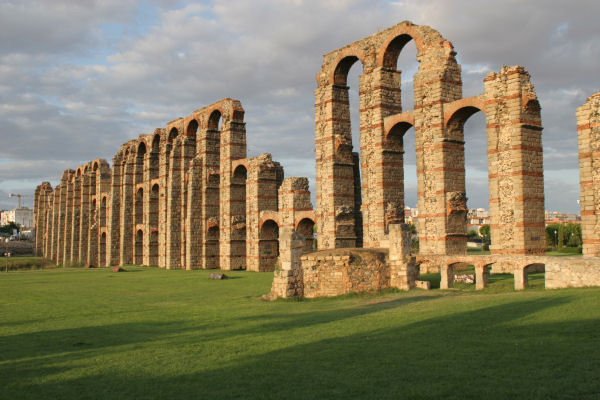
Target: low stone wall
x,y
572,272
341,271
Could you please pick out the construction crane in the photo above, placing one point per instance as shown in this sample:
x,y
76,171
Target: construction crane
x,y
16,195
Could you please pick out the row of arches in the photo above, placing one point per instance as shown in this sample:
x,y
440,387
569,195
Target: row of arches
x,y
359,214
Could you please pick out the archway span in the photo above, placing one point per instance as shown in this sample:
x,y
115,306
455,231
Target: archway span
x,y
268,242
192,128
470,168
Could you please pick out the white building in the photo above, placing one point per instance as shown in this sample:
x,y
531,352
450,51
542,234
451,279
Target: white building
x,y
20,216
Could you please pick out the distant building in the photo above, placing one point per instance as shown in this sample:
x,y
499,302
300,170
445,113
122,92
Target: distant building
x,y
557,217
410,215
476,218
20,216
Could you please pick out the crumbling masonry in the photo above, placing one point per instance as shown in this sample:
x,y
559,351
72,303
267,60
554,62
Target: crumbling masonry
x,y
185,196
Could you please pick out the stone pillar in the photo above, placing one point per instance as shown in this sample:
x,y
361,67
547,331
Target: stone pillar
x,y
287,279
336,208
49,241
53,254
75,220
193,220
163,178
208,148
93,219
447,279
126,220
173,222
41,210
481,277
233,147
84,217
588,133
381,98
403,269
516,185
113,228
68,221
521,278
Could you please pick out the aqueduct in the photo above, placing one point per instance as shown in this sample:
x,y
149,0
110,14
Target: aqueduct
x,y
187,196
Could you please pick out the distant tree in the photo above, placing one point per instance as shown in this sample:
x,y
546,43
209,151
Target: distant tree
x,y
552,233
486,236
473,235
8,228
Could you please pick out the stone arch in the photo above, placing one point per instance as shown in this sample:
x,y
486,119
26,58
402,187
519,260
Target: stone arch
x,y
268,242
393,169
456,197
214,119
305,227
522,274
344,60
155,147
173,133
238,217
192,127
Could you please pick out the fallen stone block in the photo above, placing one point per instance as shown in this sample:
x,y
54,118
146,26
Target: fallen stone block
x,y
217,276
423,285
118,269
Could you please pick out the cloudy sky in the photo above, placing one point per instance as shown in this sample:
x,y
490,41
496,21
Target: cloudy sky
x,y
80,77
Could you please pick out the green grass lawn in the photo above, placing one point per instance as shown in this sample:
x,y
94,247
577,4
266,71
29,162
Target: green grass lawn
x,y
157,334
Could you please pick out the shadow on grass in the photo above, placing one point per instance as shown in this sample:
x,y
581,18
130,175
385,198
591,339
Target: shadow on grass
x,y
495,352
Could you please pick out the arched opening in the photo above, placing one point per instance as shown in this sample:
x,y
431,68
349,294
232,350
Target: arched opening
x,y
153,250
348,146
103,211
306,228
154,154
93,213
401,57
139,163
173,133
467,125
192,128
139,207
138,257
102,250
533,277
268,242
214,121
153,211
238,217
401,65
394,160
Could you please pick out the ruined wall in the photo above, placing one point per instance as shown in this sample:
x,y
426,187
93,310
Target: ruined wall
x,y
185,196
341,271
588,133
574,272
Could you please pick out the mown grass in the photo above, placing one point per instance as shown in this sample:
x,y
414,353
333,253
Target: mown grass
x,y
157,334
